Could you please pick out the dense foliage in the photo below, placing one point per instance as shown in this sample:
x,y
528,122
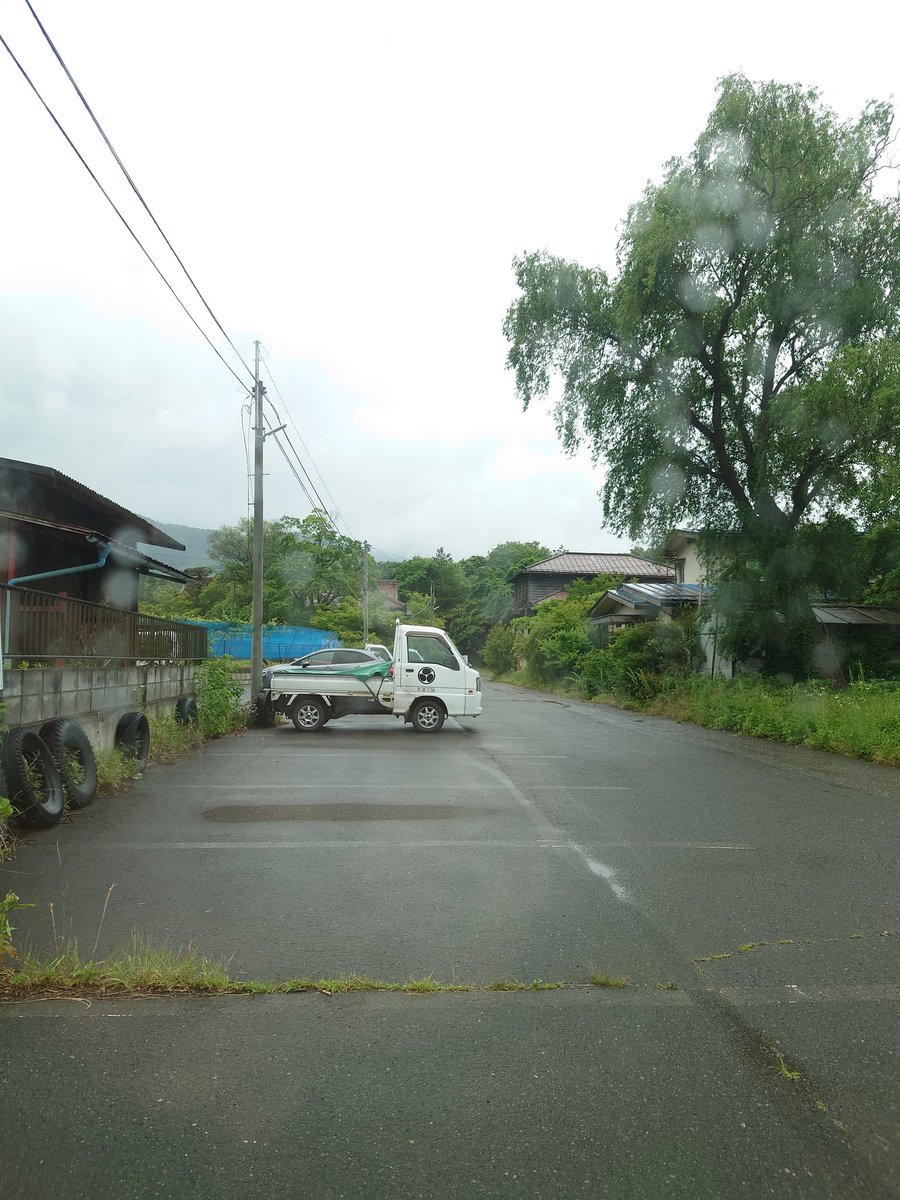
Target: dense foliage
x,y
313,576
741,372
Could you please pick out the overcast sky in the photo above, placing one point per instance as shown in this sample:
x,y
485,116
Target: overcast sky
x,y
349,184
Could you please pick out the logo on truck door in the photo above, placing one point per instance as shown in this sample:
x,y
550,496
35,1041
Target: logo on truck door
x,y
426,675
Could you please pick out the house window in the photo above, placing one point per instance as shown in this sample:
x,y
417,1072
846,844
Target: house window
x,y
679,570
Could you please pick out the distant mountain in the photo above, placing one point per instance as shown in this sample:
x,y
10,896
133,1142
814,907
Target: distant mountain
x,y
196,542
197,552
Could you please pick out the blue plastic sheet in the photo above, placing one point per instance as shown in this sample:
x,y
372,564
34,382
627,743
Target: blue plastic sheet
x,y
280,642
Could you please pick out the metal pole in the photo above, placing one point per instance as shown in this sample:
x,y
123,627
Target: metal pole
x,y
366,549
256,645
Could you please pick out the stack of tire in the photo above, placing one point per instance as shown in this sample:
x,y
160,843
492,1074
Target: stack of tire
x,y
47,769
43,772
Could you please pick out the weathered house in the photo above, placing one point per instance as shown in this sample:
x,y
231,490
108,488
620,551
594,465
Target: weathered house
x,y
542,580
58,536
70,569
631,603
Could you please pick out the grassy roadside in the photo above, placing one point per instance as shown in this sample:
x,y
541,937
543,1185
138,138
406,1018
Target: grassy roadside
x,y
145,970
861,720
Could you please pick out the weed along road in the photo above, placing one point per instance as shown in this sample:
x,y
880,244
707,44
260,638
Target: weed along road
x,y
721,912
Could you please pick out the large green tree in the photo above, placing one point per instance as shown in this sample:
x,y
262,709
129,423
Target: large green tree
x,y
308,568
740,371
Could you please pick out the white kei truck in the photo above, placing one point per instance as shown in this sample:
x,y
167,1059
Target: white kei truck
x,y
427,681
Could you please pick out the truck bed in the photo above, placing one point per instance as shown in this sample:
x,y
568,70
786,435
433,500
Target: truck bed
x,y
368,680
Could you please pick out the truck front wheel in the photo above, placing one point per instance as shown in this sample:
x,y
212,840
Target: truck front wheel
x,y
308,714
427,716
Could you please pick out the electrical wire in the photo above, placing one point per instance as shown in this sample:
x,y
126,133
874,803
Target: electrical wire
x,y
118,213
325,487
319,502
304,445
134,186
303,488
245,434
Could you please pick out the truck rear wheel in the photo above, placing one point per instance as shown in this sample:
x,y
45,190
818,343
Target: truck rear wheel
x,y
308,714
427,716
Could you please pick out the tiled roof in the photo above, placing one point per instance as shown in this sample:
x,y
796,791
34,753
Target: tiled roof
x,y
596,564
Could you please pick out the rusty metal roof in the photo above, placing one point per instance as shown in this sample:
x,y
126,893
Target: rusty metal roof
x,y
856,614
575,564
14,493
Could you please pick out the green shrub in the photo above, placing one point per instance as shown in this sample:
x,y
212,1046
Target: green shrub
x,y
218,698
169,740
642,660
500,649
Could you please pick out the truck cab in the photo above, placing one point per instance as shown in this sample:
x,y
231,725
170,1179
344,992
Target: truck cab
x,y
432,680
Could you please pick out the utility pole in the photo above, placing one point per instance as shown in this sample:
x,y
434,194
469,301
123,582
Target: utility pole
x,y
256,643
366,549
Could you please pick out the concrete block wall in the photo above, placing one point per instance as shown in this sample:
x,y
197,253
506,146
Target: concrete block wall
x,y
96,697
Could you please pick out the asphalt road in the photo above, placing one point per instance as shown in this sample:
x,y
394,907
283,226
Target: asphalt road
x,y
548,840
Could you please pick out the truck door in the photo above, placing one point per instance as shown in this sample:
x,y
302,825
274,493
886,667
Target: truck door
x,y
430,667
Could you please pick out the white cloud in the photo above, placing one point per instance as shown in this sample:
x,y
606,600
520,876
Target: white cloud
x,y
349,184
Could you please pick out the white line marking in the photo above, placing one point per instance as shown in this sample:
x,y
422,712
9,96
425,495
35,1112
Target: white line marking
x,y
375,843
607,874
332,844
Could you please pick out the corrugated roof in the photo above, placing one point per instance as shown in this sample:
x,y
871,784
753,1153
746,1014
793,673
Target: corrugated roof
x,y
642,595
146,530
663,592
856,614
129,556
571,563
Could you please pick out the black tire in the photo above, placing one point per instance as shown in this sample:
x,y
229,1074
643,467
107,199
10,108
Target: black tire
x,y
265,710
73,754
308,714
133,738
427,716
35,788
4,795
186,711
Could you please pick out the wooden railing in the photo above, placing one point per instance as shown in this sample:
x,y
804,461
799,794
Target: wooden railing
x,y
42,626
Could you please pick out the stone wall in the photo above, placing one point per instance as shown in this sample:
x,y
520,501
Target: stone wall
x,y
95,696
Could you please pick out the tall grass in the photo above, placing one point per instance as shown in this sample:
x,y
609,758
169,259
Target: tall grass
x,y
862,720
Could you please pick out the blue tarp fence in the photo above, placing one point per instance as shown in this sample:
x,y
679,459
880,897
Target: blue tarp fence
x,y
280,642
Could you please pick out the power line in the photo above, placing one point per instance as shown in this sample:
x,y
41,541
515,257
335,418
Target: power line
x,y
245,434
319,502
303,488
308,453
134,186
118,213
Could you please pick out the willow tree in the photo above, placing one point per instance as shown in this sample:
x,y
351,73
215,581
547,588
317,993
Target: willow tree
x,y
739,371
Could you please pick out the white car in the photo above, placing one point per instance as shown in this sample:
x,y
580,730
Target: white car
x,y
379,651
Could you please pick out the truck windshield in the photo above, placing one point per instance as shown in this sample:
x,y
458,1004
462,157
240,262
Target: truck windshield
x,y
425,647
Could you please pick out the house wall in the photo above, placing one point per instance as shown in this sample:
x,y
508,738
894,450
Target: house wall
x,y
95,697
28,549
689,567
